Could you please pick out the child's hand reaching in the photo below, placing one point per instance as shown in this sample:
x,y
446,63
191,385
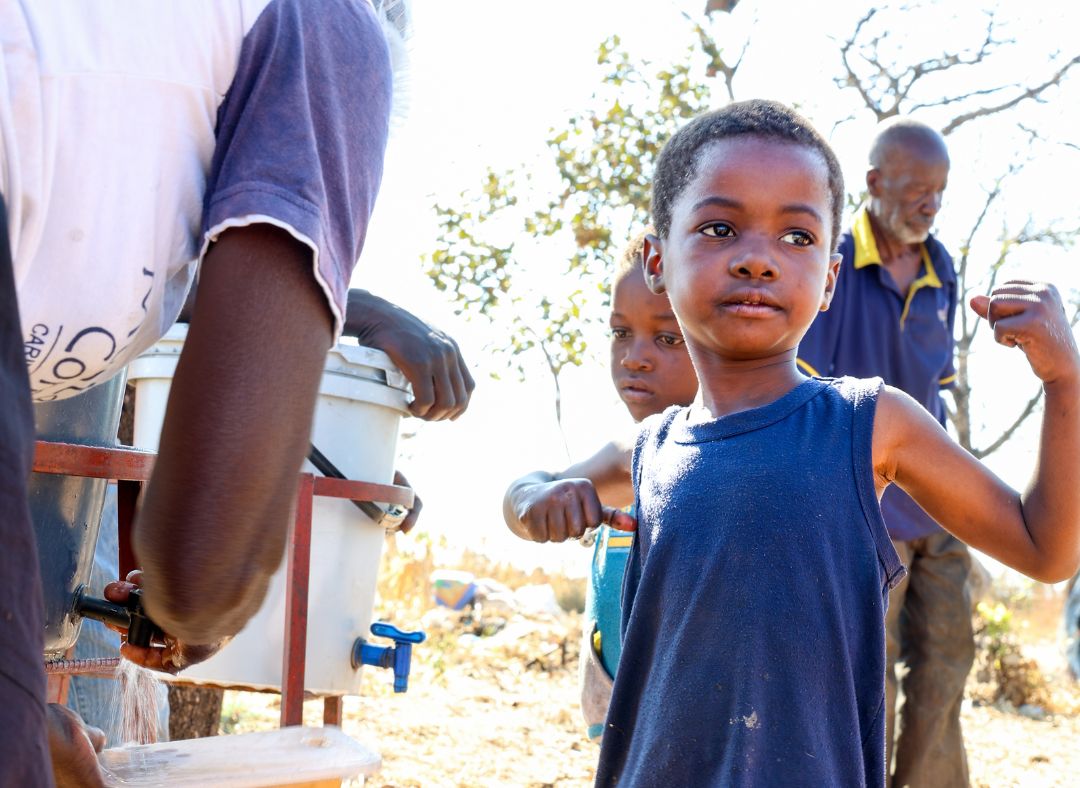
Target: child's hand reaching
x,y
1030,316
559,510
173,655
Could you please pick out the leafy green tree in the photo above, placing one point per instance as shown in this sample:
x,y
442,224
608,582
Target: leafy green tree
x,y
603,160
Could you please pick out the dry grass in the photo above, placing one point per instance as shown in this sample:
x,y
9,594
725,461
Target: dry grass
x,y
404,587
498,705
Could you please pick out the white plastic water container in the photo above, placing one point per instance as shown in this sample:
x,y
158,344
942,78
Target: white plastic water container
x,y
362,398
293,756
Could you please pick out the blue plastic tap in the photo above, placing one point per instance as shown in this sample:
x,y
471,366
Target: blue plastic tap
x,y
398,656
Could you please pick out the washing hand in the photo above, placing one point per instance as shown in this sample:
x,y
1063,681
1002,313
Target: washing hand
x,y
73,746
169,656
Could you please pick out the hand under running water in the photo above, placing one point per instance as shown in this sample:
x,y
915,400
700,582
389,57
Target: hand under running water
x,y
73,748
170,656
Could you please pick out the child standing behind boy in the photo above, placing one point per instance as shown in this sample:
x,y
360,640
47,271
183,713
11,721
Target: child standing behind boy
x,y
753,645
651,371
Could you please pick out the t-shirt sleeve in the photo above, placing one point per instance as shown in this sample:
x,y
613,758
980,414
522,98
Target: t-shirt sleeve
x,y
301,134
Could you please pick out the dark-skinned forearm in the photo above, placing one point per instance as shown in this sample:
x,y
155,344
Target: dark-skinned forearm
x,y
1051,505
213,525
363,313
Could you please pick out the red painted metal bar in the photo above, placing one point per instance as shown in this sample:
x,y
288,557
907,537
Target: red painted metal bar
x,y
127,496
131,467
57,682
298,570
363,491
333,710
97,462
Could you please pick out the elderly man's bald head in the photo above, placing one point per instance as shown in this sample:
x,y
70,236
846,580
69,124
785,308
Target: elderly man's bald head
x,y
909,168
904,136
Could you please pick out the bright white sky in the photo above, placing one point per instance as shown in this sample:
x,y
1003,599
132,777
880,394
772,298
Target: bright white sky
x,y
489,78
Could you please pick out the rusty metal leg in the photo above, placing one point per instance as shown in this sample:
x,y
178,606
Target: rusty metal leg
x,y
296,606
57,684
56,688
127,495
333,710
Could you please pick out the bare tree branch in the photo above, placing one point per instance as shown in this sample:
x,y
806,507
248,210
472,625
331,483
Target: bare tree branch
x,y
1036,136
851,79
948,61
1029,408
895,83
1004,437
555,370
965,254
962,97
1032,93
885,87
717,64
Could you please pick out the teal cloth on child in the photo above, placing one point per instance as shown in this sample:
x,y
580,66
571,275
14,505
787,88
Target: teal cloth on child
x,y
603,598
603,601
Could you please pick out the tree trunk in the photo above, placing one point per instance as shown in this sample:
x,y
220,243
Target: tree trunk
x,y
194,712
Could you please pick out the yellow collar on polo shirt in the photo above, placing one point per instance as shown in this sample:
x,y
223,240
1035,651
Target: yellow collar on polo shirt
x,y
866,253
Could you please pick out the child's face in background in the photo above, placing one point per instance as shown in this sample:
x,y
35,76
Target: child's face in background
x,y
747,263
649,363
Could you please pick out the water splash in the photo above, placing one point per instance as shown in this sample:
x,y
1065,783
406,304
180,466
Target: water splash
x,y
137,704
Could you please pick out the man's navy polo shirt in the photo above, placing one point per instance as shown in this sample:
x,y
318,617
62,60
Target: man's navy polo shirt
x,y
873,330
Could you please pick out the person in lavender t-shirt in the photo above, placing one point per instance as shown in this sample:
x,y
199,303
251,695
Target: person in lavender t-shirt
x,y
244,140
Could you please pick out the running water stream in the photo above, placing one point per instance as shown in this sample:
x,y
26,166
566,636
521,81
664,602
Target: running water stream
x,y
137,704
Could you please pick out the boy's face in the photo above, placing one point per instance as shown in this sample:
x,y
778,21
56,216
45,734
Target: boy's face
x,y
747,263
649,363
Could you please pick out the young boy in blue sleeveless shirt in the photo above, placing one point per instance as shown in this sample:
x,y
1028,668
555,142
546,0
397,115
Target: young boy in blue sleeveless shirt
x,y
753,608
651,371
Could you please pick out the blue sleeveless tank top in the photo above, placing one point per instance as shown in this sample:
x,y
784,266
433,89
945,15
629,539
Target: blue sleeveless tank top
x,y
754,602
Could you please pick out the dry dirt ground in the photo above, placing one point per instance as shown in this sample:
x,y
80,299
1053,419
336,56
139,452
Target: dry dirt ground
x,y
502,710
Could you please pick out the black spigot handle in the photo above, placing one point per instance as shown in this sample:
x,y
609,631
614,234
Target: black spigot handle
x,y
141,630
101,609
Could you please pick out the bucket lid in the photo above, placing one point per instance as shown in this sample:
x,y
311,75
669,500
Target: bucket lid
x,y
366,363
346,358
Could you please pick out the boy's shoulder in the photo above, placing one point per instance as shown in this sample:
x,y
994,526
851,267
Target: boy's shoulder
x,y
855,389
652,432
658,424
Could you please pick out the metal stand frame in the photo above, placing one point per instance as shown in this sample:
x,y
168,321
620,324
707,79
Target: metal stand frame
x,y
131,468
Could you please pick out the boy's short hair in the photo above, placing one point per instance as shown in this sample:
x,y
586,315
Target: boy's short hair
x,y
676,166
631,258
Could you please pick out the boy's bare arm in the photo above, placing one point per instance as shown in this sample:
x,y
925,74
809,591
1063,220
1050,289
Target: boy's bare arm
x,y
554,507
1037,532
